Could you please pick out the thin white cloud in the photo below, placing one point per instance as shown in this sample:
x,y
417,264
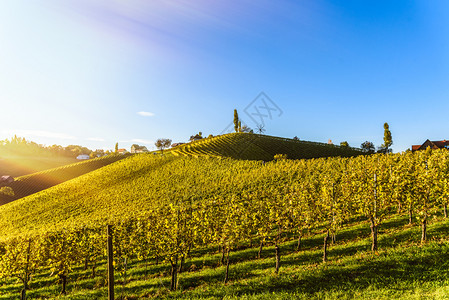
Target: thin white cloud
x,y
145,114
39,133
95,139
141,141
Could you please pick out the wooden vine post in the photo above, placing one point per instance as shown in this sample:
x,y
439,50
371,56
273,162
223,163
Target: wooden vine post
x,y
110,265
374,218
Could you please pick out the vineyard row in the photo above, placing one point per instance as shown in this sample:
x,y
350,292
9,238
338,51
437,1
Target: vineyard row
x,y
303,196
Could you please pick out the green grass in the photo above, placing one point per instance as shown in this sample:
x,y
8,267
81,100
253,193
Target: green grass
x,y
402,268
260,147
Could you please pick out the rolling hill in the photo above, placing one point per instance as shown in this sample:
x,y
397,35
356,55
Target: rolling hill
x,y
117,191
189,209
135,184
23,165
29,184
260,147
156,201
235,145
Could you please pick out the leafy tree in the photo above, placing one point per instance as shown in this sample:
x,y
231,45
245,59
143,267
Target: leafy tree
x,y
388,140
442,173
75,150
20,258
123,247
176,232
236,120
279,212
62,252
280,156
162,144
382,150
405,183
97,153
426,191
258,213
20,146
145,245
372,190
245,129
331,202
302,202
90,247
344,144
368,147
234,226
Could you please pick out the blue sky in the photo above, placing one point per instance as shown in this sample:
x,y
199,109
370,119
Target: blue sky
x,y
95,73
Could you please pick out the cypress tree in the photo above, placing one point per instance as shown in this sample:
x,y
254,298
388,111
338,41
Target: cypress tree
x,y
236,120
388,140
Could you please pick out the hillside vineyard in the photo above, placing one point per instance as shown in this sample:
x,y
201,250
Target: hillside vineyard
x,y
29,184
162,207
260,147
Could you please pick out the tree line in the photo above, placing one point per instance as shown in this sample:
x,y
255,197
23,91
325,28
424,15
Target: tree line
x,y
19,146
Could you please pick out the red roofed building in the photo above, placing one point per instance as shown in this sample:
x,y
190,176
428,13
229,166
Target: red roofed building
x,y
5,180
122,151
432,144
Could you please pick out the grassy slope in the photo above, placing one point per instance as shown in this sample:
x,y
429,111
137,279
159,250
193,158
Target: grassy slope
x,y
260,147
126,187
134,185
29,184
401,269
122,189
23,165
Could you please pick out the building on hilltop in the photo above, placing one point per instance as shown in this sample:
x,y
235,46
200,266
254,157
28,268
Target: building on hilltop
x,y
5,180
122,151
196,137
138,149
432,144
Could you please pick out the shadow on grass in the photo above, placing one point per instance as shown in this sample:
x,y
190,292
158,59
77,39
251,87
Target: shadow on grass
x,y
246,272
395,270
